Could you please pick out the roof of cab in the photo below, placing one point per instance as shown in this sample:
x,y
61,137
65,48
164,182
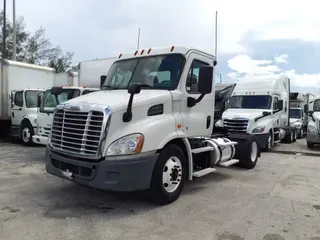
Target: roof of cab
x,y
162,50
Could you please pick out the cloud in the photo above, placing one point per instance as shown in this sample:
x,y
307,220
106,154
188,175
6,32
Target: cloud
x,y
281,59
243,65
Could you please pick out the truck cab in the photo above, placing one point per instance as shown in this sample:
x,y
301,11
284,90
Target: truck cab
x,y
24,113
260,106
313,130
150,128
297,120
48,103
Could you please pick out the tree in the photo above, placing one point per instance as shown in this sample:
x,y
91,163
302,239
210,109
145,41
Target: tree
x,y
34,48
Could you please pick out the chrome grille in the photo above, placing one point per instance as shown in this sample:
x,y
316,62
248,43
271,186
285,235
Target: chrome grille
x,y
236,125
77,132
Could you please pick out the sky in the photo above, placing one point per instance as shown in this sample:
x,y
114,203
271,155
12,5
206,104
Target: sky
x,y
265,37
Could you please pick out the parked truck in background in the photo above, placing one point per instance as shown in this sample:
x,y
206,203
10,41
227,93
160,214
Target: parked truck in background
x,y
222,99
66,78
313,131
92,70
48,102
259,106
297,101
20,85
150,128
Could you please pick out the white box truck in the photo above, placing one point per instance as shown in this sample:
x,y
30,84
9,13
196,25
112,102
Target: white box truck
x,y
66,79
297,101
149,128
92,70
20,85
313,130
259,106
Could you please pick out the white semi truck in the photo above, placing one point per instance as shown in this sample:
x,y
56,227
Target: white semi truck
x,y
313,132
259,106
297,116
150,128
20,85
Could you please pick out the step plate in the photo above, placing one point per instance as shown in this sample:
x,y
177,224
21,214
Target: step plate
x,y
229,163
203,172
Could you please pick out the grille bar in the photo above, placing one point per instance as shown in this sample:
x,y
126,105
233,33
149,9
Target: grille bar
x,y
236,125
78,134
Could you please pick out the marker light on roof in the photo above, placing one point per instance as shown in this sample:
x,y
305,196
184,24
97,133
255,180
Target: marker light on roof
x,y
142,51
136,52
149,50
172,48
120,55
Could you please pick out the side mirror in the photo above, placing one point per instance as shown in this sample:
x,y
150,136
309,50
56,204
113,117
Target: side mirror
x,y
266,113
280,105
12,94
226,104
205,80
305,108
102,79
56,90
310,113
134,89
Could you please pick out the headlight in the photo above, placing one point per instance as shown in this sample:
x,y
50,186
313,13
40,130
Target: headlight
x,y
219,123
258,129
312,128
129,144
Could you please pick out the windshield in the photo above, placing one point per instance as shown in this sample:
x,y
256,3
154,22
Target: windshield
x,y
154,72
316,105
31,98
295,113
252,102
49,101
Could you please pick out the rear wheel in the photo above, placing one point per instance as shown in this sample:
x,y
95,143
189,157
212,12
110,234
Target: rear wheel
x,y
168,176
269,142
300,134
290,136
294,135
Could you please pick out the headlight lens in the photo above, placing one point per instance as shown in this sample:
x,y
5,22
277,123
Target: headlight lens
x,y
312,128
129,144
258,129
219,123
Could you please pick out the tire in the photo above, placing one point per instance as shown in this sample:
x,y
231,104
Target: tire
x,y
300,134
269,143
26,133
294,135
171,161
290,136
248,158
310,145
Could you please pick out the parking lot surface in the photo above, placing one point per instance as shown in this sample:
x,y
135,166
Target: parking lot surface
x,y
300,146
279,199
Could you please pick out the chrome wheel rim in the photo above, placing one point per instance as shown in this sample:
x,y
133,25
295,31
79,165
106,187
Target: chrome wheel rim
x,y
26,134
254,151
172,174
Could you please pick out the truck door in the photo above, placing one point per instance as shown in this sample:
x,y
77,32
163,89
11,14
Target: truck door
x,y
17,109
197,120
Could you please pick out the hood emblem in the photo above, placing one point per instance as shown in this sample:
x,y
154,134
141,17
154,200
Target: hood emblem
x,y
71,107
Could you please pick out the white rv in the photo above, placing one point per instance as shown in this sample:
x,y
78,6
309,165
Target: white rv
x,y
20,85
149,128
260,106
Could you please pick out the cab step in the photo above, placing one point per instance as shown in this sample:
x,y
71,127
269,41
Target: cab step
x,y
229,163
203,172
202,149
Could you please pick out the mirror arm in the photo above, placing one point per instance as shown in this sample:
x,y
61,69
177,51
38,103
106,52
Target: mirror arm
x,y
127,116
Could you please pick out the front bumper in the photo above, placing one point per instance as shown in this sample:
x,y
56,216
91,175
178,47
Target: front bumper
x,y
262,138
313,137
119,173
40,140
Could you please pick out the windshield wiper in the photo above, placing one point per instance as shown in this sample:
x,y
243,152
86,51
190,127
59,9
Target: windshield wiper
x,y
108,87
144,85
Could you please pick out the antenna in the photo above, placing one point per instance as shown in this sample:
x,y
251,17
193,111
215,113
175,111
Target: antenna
x,y
216,41
138,39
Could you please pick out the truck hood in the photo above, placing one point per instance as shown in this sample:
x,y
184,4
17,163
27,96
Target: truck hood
x,y
316,115
118,99
249,114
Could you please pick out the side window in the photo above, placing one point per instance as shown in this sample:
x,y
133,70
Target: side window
x,y
275,103
18,99
193,75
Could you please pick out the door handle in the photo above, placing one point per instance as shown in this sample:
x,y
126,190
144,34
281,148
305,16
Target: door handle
x,y
19,109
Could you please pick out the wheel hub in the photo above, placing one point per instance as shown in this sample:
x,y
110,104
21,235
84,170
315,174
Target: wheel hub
x,y
25,134
172,174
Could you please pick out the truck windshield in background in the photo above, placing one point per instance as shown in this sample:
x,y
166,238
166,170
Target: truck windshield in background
x,y
316,105
296,113
153,72
31,97
251,102
49,101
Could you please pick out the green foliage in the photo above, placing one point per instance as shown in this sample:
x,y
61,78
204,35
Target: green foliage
x,y
34,48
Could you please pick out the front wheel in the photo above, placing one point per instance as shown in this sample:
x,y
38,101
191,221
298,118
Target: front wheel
x,y
294,135
249,155
26,133
310,145
269,142
300,134
168,176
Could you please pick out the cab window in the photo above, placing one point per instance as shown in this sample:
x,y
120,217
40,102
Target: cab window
x,y
193,76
